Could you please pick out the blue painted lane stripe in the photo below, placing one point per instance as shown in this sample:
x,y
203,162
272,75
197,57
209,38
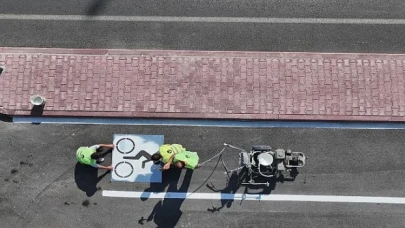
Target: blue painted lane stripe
x,y
210,123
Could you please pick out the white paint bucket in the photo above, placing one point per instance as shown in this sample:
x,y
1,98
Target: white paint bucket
x,y
37,100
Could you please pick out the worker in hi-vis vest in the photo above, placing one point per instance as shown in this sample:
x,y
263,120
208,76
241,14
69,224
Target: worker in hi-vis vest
x,y
185,159
93,155
166,152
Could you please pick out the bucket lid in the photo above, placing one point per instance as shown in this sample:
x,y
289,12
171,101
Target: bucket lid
x,y
265,159
37,100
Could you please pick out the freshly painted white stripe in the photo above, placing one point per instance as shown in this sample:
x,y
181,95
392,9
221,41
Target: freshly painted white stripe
x,y
257,197
203,19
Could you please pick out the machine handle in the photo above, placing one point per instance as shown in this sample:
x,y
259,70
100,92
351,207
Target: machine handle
x,y
263,173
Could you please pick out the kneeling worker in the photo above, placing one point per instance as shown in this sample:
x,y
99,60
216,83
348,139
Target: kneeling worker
x,y
90,155
185,159
166,152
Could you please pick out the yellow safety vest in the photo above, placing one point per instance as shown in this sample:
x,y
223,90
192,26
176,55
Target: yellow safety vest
x,y
83,155
167,150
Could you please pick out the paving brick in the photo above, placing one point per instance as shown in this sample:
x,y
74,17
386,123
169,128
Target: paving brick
x,y
191,84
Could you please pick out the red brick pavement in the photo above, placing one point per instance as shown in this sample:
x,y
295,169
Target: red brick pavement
x,y
191,84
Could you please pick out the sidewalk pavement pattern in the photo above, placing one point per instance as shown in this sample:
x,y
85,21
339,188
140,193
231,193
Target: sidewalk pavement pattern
x,y
194,84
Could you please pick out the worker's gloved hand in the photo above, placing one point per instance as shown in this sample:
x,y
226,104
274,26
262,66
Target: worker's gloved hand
x,y
110,167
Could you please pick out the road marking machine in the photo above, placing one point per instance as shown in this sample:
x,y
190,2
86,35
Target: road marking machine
x,y
262,161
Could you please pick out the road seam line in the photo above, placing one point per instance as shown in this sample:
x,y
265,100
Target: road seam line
x,y
203,19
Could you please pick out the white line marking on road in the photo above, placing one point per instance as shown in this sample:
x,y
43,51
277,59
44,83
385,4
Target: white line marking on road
x,y
203,19
256,197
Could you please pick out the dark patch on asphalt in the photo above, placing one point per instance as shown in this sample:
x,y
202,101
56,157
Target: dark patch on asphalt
x,y
94,203
141,221
66,203
99,188
305,180
86,203
13,171
6,179
15,181
213,209
26,163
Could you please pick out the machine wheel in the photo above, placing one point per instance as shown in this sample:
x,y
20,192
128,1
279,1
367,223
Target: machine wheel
x,y
261,148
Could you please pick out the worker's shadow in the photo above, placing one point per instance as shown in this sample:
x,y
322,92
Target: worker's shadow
x,y
86,178
233,184
167,213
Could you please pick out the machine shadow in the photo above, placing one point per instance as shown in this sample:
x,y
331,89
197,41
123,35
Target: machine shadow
x,y
96,7
262,189
86,178
167,213
253,189
234,183
293,174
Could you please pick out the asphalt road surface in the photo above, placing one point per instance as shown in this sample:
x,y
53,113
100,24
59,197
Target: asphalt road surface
x,y
40,184
152,32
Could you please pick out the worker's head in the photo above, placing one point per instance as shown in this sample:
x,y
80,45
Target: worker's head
x,y
156,157
179,164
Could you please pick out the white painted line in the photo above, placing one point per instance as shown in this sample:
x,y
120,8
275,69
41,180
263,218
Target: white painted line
x,y
203,19
256,197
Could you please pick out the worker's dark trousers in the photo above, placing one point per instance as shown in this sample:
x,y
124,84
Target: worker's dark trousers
x,y
103,151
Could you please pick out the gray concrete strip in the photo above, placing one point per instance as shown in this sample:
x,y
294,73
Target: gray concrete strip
x,y
368,21
207,123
